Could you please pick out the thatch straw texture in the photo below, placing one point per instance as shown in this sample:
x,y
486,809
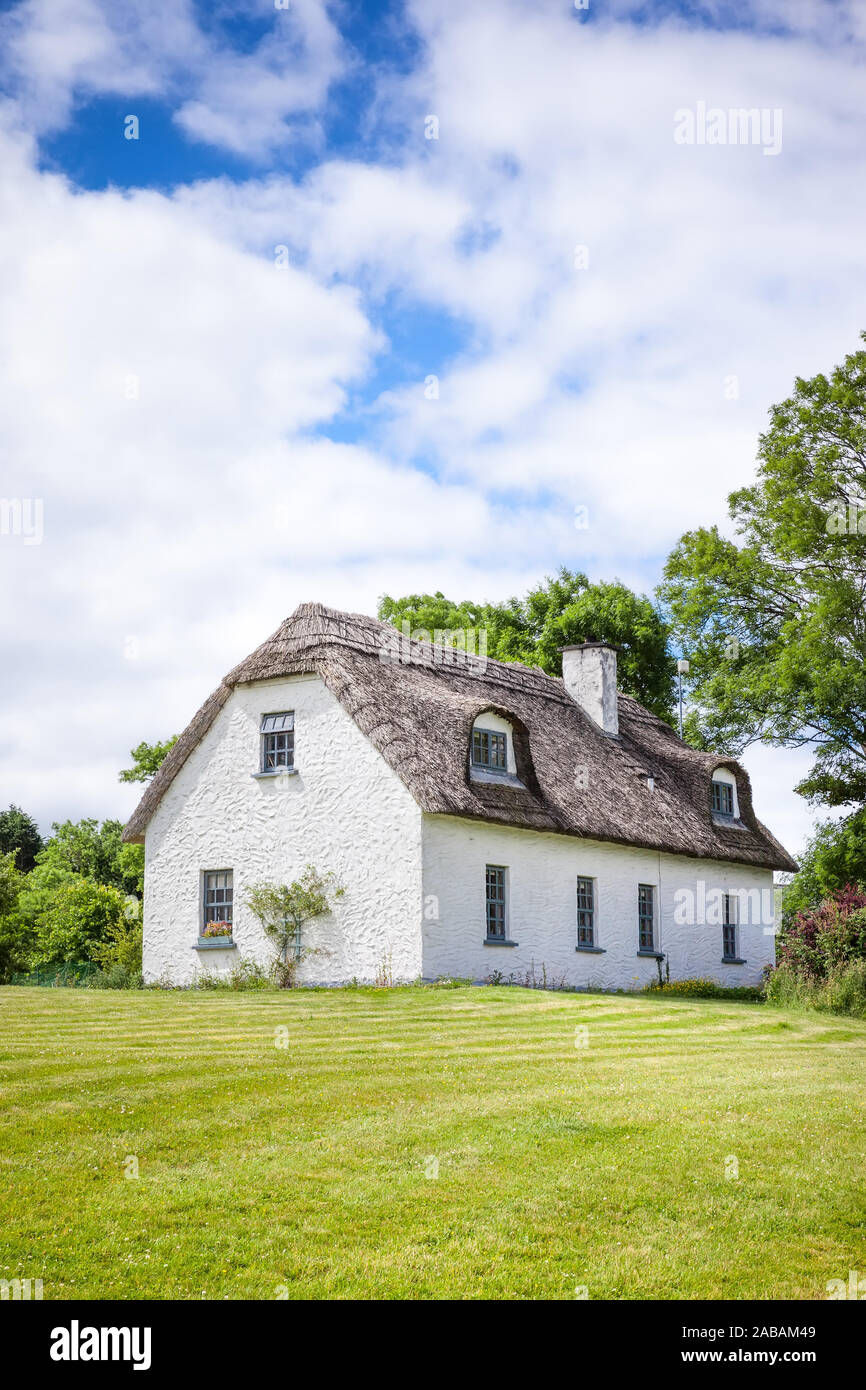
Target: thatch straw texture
x,y
419,712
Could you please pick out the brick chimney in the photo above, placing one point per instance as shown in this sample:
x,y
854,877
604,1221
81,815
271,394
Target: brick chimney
x,y
589,673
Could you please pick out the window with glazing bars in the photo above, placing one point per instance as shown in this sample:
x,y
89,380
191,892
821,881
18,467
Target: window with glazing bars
x,y
496,901
723,798
585,912
729,927
278,741
646,916
489,749
218,894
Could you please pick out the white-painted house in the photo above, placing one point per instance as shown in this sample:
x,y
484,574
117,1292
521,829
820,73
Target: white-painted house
x,y
482,817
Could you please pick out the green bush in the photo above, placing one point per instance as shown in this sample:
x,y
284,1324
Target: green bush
x,y
246,975
79,919
841,991
705,989
845,990
834,858
117,976
821,940
122,947
16,934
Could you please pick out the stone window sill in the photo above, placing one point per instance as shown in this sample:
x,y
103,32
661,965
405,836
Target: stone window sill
x,y
592,950
494,777
733,960
276,772
652,955
499,941
215,943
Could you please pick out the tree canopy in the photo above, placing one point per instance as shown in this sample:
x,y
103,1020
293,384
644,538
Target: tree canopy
x,y
560,611
94,851
19,834
146,760
773,622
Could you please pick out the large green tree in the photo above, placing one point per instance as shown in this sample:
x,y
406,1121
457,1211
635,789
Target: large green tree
x,y
773,620
834,859
556,613
147,758
19,834
81,849
16,936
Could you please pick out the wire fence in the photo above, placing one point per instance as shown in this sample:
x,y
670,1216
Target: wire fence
x,y
69,975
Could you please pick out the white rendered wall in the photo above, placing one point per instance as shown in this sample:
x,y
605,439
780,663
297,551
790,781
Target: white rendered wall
x,y
345,810
542,872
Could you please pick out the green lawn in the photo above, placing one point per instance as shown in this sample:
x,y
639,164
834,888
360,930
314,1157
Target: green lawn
x,y
310,1167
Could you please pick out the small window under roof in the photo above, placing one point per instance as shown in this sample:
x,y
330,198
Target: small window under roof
x,y
489,749
278,723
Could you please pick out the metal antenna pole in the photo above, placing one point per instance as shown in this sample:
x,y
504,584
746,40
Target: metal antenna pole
x,y
682,670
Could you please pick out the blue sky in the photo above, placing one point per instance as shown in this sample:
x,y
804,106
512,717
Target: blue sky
x,y
489,196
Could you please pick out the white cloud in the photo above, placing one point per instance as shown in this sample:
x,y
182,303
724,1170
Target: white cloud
x,y
246,102
195,517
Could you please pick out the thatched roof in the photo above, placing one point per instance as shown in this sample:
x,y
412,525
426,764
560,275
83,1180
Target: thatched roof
x,y
419,712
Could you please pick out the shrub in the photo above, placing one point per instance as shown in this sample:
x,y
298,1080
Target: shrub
x,y
283,909
845,990
705,989
246,975
80,917
16,934
835,856
821,940
122,947
117,976
842,991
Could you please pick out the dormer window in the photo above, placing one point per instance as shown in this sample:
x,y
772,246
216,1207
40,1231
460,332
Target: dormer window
x,y
489,749
725,802
278,742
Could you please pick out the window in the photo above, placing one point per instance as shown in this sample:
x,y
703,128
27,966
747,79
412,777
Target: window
x,y
278,741
646,917
585,912
730,947
723,798
218,894
496,902
489,749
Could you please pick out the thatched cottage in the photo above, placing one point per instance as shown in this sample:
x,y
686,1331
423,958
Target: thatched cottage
x,y
483,818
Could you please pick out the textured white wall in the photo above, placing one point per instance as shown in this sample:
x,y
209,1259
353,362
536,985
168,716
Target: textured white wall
x,y
346,810
589,676
543,910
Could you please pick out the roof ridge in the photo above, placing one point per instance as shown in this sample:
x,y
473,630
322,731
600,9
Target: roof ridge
x,y
507,669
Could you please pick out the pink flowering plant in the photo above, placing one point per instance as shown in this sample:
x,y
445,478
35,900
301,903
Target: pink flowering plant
x,y
828,937
218,929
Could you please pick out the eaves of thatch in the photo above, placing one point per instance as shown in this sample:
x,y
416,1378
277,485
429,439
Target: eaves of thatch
x,y
418,712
